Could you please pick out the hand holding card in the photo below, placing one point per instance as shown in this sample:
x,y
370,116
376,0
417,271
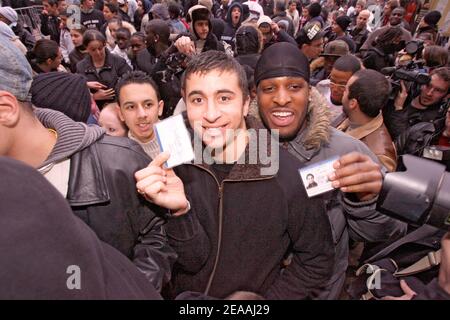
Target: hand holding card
x,y
174,137
162,186
357,173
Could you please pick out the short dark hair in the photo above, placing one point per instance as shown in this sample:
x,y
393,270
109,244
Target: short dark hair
x,y
216,60
371,90
93,35
280,6
124,30
348,63
139,34
314,9
435,56
444,74
43,49
309,175
138,77
51,2
117,20
112,7
159,27
174,9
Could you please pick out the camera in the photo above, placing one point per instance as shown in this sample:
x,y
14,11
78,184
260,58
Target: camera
x,y
410,73
419,195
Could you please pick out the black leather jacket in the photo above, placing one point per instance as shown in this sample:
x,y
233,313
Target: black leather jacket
x,y
102,193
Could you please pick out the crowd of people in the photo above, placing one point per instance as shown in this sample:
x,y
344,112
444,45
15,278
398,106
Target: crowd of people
x,y
84,182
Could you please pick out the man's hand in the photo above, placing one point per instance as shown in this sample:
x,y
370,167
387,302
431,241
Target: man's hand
x,y
95,85
444,271
357,173
185,45
401,97
107,94
162,186
408,292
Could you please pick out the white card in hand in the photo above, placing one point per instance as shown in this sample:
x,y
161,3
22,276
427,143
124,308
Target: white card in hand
x,y
174,137
315,177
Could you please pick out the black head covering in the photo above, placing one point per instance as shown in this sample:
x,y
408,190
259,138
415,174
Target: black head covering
x,y
343,22
432,18
247,40
41,238
282,59
64,92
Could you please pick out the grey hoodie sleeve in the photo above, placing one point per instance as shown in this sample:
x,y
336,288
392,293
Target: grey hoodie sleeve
x,y
365,223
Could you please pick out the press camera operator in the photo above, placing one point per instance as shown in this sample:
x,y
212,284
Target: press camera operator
x,y
429,104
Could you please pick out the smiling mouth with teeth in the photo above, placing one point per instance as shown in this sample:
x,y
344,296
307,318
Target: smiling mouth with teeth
x,y
282,114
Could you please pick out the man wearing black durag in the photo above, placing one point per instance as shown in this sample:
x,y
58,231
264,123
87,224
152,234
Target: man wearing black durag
x,y
286,102
48,253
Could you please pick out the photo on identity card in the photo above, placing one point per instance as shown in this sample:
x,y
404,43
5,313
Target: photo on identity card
x,y
173,136
315,177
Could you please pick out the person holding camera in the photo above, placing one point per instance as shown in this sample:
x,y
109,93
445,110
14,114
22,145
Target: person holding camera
x,y
429,105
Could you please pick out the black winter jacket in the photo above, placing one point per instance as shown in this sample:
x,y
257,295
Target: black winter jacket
x,y
102,192
108,75
238,233
50,27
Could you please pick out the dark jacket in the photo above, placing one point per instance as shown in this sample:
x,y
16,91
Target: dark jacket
x,y
397,121
376,59
421,135
45,246
102,192
50,27
25,36
349,217
359,36
238,233
416,138
283,16
281,36
145,61
75,56
248,59
230,30
399,255
108,75
93,19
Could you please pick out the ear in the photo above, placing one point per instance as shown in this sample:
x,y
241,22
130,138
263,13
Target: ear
x,y
160,108
246,106
353,104
9,110
119,113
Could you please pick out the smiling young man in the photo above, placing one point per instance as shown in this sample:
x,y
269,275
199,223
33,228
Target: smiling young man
x,y
239,223
287,103
139,106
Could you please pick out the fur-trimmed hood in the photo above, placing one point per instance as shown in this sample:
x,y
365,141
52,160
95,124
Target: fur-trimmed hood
x,y
317,130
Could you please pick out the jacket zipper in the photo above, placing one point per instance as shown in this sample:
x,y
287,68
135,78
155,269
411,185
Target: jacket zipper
x,y
220,231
